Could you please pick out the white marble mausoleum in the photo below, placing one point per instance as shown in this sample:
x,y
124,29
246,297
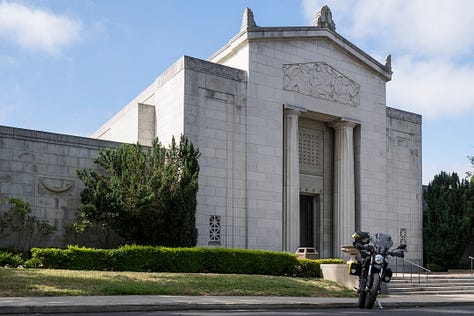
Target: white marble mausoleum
x,y
298,146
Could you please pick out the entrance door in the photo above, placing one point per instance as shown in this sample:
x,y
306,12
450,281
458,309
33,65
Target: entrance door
x,y
309,221
306,221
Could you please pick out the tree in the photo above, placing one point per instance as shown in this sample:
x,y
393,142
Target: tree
x,y
447,219
470,174
146,195
27,229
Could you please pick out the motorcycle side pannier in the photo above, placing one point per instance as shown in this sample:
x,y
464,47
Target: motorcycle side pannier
x,y
355,268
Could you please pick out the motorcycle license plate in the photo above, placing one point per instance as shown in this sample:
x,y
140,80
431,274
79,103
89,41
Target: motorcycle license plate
x,y
355,268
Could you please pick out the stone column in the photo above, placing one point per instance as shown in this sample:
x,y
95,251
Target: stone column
x,y
291,185
344,185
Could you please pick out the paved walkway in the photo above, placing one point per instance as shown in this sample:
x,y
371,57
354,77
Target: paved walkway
x,y
12,305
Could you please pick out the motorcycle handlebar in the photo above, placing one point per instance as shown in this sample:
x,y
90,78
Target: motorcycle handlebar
x,y
397,253
361,246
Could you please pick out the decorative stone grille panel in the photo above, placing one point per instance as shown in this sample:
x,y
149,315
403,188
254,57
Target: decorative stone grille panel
x,y
310,151
403,236
214,230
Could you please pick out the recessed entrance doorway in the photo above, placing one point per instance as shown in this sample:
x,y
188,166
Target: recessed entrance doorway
x,y
309,221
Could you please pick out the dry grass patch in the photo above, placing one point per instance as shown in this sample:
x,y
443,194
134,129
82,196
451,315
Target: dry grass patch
x,y
45,282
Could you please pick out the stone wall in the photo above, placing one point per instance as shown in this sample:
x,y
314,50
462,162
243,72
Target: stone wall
x,y
40,168
404,189
215,120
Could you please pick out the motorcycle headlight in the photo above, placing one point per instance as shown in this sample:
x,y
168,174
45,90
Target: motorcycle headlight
x,y
379,259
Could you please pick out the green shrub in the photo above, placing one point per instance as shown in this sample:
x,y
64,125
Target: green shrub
x,y
13,260
51,258
157,259
185,260
435,267
33,263
81,258
330,261
308,268
73,258
225,260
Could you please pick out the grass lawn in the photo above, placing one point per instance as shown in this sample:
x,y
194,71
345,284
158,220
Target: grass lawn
x,y
45,282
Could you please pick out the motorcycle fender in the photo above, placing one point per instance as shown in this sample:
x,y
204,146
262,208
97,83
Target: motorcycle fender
x,y
387,276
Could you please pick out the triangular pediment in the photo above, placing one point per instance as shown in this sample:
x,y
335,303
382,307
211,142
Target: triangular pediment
x,y
323,29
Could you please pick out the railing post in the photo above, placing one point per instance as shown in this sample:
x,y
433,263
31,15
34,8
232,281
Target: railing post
x,y
471,258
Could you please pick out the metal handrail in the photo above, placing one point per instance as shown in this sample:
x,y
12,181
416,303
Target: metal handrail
x,y
471,258
417,265
412,264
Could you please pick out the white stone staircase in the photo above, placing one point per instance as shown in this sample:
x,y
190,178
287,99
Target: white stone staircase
x,y
459,282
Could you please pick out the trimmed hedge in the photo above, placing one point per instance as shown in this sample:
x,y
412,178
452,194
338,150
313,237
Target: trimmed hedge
x,y
330,261
186,260
10,259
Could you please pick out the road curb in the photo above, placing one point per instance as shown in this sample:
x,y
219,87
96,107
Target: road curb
x,y
44,309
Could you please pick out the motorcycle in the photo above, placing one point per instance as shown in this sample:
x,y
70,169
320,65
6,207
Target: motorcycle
x,y
371,265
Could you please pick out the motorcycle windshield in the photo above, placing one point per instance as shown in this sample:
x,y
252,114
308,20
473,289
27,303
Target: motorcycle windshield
x,y
383,242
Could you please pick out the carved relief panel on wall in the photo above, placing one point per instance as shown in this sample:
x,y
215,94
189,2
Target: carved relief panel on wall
x,y
310,151
320,80
55,186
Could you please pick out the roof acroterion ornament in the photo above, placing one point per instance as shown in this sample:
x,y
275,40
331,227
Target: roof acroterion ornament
x,y
323,18
248,20
388,63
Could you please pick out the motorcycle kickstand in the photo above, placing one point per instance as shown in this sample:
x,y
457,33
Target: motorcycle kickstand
x,y
379,304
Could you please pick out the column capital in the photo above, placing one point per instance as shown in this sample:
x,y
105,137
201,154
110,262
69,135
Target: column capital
x,y
292,113
344,122
294,107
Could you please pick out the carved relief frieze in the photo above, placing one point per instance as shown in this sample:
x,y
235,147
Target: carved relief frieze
x,y
318,79
48,185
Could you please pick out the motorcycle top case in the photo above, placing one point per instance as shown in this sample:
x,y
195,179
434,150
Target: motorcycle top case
x,y
355,268
362,237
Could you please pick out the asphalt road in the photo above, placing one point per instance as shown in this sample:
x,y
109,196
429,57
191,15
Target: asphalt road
x,y
422,311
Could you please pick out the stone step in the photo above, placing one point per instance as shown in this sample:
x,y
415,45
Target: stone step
x,y
436,276
436,283
432,282
418,292
432,276
431,288
424,291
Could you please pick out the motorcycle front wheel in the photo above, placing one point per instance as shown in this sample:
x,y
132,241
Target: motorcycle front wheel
x,y
361,302
362,292
374,290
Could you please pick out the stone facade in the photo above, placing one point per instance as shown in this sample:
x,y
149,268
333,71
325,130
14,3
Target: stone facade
x,y
40,168
298,146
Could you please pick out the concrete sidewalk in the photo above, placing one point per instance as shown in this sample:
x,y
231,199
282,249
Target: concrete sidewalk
x,y
128,303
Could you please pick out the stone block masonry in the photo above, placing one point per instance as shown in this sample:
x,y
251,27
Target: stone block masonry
x,y
40,168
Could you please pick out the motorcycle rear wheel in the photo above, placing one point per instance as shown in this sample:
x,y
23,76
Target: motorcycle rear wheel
x,y
374,290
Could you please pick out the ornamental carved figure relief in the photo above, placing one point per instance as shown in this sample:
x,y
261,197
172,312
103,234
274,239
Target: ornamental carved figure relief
x,y
320,80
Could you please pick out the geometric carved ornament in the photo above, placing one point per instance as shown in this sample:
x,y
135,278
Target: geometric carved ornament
x,y
320,80
214,230
310,151
403,235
